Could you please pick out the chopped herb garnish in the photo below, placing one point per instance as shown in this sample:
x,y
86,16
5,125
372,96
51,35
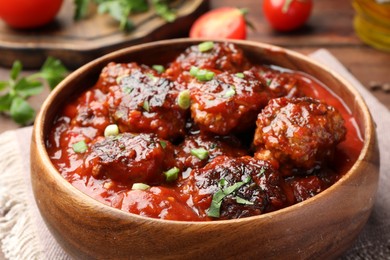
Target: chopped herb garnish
x,y
262,171
120,78
269,82
230,92
172,174
205,46
80,147
200,153
146,106
240,75
163,144
240,200
127,89
214,210
201,74
140,186
159,68
111,130
183,99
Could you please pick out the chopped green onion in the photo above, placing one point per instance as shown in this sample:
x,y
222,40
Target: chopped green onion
x,y
119,79
201,74
172,174
240,75
183,99
159,68
230,92
80,147
111,130
127,89
140,186
243,201
146,106
205,46
194,71
200,153
163,144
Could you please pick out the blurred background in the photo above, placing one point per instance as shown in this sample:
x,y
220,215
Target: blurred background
x,y
74,32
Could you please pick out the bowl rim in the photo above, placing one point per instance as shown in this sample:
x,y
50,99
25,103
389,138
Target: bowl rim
x,y
38,132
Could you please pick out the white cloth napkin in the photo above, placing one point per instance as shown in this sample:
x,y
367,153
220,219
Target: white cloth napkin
x,y
23,234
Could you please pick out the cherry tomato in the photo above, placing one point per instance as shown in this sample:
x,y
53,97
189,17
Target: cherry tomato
x,y
287,15
223,22
28,13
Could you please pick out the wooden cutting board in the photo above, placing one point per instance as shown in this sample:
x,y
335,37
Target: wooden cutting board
x,y
76,43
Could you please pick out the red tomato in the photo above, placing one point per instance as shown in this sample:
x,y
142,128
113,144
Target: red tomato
x,y
287,15
28,13
223,22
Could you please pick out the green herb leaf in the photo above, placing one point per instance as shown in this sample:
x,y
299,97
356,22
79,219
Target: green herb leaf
x,y
200,153
240,200
53,71
5,102
163,144
16,69
81,10
218,196
80,147
162,9
21,112
25,88
3,85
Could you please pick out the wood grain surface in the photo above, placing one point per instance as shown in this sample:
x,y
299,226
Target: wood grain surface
x,y
77,43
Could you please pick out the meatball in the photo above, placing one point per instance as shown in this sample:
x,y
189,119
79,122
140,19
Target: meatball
x,y
228,103
280,84
222,57
145,102
129,158
298,133
229,188
198,150
113,71
89,110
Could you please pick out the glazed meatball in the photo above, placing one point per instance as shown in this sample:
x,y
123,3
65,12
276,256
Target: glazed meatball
x,y
145,102
298,133
222,57
228,103
229,188
279,83
129,158
198,150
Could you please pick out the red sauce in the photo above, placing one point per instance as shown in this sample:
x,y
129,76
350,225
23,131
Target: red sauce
x,y
209,144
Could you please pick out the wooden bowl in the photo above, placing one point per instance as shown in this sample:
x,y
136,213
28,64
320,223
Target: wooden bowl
x,y
321,227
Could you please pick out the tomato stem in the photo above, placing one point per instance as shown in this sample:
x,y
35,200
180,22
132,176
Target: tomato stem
x,y
286,6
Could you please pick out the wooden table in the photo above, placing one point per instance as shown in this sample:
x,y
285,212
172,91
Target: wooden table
x,y
330,26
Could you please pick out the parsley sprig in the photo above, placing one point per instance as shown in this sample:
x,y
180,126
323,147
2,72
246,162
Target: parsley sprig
x,y
120,10
15,91
219,195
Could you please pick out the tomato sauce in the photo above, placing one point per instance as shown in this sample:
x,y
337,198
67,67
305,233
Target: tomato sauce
x,y
200,161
